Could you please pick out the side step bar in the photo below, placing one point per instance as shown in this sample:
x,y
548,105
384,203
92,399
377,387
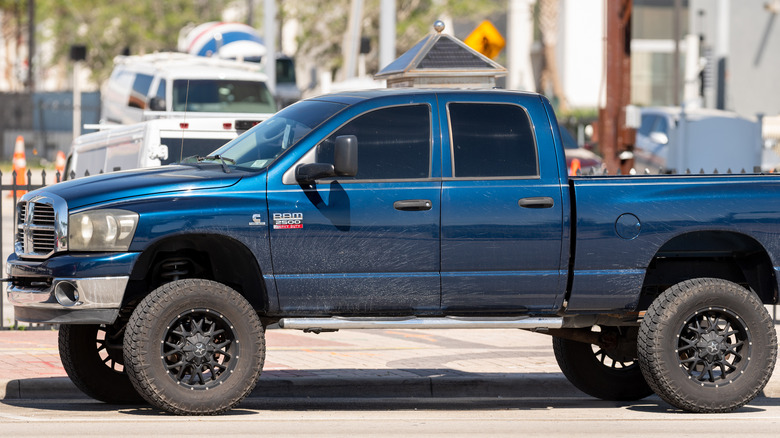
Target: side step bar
x,y
317,325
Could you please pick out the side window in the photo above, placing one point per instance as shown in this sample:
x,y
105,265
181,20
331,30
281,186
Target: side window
x,y
140,89
160,94
393,143
492,140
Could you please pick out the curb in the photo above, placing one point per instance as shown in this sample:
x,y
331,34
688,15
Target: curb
x,y
526,385
542,385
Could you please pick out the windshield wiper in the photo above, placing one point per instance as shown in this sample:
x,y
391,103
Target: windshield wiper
x,y
221,160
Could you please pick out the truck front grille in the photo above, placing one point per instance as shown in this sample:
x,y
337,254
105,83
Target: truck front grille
x,y
41,227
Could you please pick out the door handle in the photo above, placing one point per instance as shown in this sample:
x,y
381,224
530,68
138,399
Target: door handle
x,y
537,202
413,205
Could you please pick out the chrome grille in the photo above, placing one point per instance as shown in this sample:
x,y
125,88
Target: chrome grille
x,y
20,218
39,230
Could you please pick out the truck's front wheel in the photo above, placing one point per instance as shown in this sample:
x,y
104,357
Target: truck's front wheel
x,y
194,347
92,356
707,345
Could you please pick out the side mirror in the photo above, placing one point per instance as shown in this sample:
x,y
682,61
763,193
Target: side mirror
x,y
157,104
346,155
659,137
309,173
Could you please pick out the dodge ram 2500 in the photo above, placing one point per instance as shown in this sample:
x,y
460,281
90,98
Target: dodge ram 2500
x,y
402,209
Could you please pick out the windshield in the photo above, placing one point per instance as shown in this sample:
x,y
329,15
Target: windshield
x,y
178,148
261,145
222,96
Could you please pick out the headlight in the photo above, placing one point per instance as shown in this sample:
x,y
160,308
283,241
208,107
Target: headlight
x,y
101,230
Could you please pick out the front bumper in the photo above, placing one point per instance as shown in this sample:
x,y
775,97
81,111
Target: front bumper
x,y
70,289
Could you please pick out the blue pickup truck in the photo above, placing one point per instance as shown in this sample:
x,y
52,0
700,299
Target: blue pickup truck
x,y
402,209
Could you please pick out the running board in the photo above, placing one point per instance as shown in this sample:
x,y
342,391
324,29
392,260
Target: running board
x,y
448,322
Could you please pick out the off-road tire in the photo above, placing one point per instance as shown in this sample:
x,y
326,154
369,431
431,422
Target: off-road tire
x,y
707,345
194,347
595,373
92,356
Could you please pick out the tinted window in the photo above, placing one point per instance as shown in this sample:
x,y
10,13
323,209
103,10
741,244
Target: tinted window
x,y
180,148
223,96
393,143
648,123
285,71
492,140
140,89
161,90
160,95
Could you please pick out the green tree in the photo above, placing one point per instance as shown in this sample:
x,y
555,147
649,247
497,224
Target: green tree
x,y
145,26
107,28
324,21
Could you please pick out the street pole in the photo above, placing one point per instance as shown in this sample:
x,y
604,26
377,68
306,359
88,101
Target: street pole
x,y
76,99
520,26
352,39
269,30
386,33
676,61
31,40
614,137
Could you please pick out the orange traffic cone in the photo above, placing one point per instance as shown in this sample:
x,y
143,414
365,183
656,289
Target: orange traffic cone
x,y
576,166
59,165
20,166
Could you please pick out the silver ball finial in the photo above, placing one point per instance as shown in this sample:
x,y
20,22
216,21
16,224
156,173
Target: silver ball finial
x,y
438,26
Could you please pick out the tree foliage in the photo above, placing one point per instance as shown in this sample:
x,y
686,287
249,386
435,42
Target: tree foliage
x,y
145,26
323,23
108,28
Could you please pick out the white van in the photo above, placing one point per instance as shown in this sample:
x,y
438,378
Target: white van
x,y
179,82
152,143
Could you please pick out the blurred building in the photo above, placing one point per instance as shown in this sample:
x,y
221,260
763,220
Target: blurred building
x,y
740,43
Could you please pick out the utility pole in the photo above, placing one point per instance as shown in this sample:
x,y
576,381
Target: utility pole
x,y
615,139
31,46
250,15
676,61
269,33
352,38
387,33
520,26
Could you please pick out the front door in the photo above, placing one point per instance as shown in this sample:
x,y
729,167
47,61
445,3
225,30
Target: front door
x,y
364,244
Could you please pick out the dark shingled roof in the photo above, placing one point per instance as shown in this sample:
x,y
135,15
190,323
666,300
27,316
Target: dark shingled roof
x,y
440,52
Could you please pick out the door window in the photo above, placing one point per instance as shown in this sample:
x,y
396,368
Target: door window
x,y
492,140
393,143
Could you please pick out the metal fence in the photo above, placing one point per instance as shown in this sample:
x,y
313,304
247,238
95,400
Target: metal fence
x,y
14,191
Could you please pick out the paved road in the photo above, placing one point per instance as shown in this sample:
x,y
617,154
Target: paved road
x,y
451,418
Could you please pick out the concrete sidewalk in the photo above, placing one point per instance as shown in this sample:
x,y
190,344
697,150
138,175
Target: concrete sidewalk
x,y
349,363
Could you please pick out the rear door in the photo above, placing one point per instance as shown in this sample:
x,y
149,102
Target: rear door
x,y
502,207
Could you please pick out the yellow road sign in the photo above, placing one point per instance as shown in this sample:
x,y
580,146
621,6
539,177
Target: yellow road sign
x,y
486,39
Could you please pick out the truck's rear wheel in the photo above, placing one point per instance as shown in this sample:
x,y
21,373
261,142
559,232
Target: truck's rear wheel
x,y
600,372
707,345
92,356
194,347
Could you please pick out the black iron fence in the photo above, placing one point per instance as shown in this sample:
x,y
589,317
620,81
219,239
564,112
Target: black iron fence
x,y
14,191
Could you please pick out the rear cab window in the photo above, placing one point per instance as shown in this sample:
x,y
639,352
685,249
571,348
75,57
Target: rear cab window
x,y
490,140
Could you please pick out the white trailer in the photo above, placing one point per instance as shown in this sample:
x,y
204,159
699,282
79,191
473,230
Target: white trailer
x,y
152,143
